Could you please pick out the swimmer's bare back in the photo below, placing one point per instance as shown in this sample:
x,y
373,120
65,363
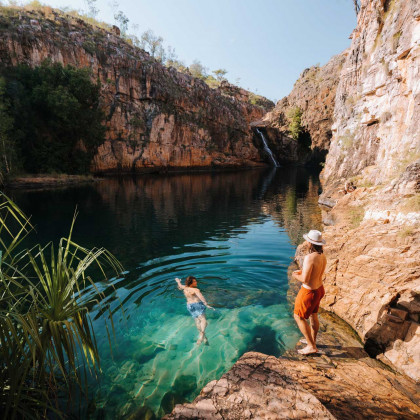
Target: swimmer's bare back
x,y
192,294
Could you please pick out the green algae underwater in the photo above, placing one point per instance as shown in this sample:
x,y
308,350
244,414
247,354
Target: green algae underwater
x,y
235,231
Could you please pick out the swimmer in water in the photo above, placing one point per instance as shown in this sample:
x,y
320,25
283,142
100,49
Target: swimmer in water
x,y
196,305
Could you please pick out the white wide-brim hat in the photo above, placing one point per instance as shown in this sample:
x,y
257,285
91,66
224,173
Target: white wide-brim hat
x,y
314,237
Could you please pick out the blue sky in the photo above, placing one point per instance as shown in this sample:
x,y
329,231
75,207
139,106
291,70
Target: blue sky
x,y
264,43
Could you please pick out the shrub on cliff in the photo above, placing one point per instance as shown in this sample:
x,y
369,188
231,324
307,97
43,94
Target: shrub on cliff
x,y
294,115
57,122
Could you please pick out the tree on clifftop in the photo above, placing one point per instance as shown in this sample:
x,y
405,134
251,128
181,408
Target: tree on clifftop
x,y
220,74
122,20
153,44
198,70
92,9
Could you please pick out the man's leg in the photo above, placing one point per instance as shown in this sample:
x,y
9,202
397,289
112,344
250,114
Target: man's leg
x,y
203,321
305,329
198,325
314,326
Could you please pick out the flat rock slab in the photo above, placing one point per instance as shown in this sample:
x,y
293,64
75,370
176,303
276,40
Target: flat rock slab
x,y
339,382
264,387
35,182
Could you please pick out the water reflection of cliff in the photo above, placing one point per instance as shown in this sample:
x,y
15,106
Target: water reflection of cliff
x,y
170,211
292,201
147,217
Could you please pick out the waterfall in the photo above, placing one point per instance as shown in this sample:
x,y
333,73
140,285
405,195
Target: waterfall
x,y
267,149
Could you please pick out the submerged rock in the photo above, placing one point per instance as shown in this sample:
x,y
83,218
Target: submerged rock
x,y
185,384
143,413
170,400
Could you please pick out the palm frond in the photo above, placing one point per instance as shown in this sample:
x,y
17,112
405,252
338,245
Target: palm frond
x,y
46,332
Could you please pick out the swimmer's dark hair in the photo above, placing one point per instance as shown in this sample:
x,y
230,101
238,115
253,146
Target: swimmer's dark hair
x,y
189,280
315,248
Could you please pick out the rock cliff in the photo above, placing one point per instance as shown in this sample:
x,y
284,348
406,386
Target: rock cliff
x,y
373,235
314,95
156,117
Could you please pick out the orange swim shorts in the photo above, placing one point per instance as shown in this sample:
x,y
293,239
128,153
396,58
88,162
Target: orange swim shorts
x,y
307,301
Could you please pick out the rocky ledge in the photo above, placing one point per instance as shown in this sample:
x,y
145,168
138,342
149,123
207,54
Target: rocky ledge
x,y
41,181
340,382
372,277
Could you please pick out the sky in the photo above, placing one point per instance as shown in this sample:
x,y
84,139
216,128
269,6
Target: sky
x,y
263,44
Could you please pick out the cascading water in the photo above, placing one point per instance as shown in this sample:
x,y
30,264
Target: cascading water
x,y
267,149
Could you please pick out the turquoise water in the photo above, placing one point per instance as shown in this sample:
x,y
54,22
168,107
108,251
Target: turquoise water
x,y
236,232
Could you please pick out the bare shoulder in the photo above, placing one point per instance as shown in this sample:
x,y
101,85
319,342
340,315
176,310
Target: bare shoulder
x,y
311,257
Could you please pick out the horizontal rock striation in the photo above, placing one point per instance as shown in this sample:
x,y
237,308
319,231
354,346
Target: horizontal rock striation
x,y
314,94
373,233
156,117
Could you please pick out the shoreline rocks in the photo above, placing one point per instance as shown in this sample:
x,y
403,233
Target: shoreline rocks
x,y
340,382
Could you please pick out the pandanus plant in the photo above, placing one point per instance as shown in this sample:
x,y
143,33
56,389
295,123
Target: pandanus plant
x,y
47,341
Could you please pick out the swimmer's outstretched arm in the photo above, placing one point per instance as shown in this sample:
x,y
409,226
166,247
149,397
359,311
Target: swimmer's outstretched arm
x,y
201,297
180,286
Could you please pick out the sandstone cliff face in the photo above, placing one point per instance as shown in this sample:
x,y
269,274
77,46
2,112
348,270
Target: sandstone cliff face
x,y
314,93
156,117
376,131
373,236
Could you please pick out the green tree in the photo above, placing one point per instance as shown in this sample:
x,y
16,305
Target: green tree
x,y
152,44
92,9
58,122
294,115
198,70
220,74
122,20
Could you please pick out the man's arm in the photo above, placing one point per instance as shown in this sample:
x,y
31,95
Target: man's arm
x,y
180,286
201,297
305,274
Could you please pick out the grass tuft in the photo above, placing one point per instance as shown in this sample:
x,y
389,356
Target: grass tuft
x,y
356,214
411,204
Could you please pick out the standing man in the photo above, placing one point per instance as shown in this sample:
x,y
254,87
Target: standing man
x,y
312,290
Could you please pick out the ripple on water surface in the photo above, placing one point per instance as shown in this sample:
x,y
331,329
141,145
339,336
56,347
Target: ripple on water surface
x,y
156,361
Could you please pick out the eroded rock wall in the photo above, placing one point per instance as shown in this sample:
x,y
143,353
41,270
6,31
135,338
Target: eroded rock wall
x,y
314,94
156,117
373,276
376,131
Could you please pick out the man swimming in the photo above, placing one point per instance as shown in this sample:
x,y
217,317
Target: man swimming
x,y
312,290
196,305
